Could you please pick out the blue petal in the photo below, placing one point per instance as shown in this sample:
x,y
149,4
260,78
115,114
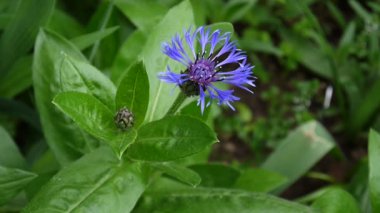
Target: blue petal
x,y
224,96
201,100
214,40
173,78
190,37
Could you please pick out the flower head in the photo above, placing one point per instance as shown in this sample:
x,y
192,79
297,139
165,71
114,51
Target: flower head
x,y
217,60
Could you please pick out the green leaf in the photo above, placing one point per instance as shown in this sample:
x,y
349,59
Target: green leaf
x,y
336,200
360,10
19,35
309,55
143,13
192,109
62,135
95,118
4,20
216,200
18,78
85,41
374,171
79,76
259,180
181,173
171,138
224,27
133,92
176,20
235,10
10,155
64,24
368,107
216,175
128,54
12,181
260,46
358,185
98,182
309,142
348,35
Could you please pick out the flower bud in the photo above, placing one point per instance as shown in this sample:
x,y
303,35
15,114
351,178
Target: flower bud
x,y
124,119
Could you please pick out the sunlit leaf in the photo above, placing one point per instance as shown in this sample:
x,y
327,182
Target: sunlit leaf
x,y
216,200
299,151
96,182
171,138
374,171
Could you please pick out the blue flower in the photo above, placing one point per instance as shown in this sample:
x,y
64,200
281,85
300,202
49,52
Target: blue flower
x,y
217,60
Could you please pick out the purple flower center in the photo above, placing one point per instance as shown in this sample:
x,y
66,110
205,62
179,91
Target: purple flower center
x,y
202,71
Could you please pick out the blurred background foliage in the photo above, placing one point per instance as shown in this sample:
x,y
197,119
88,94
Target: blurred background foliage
x,y
315,61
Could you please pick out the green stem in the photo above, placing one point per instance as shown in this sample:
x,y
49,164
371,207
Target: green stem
x,y
177,103
102,27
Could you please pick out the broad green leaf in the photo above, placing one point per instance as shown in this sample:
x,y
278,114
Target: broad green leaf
x,y
10,155
165,184
181,173
216,175
143,13
80,76
85,41
12,181
374,171
200,157
336,200
95,118
171,138
200,11
18,78
18,36
133,92
259,180
216,200
62,135
299,151
176,20
98,182
128,54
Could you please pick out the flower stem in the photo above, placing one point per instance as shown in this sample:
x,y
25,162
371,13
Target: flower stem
x,y
177,103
